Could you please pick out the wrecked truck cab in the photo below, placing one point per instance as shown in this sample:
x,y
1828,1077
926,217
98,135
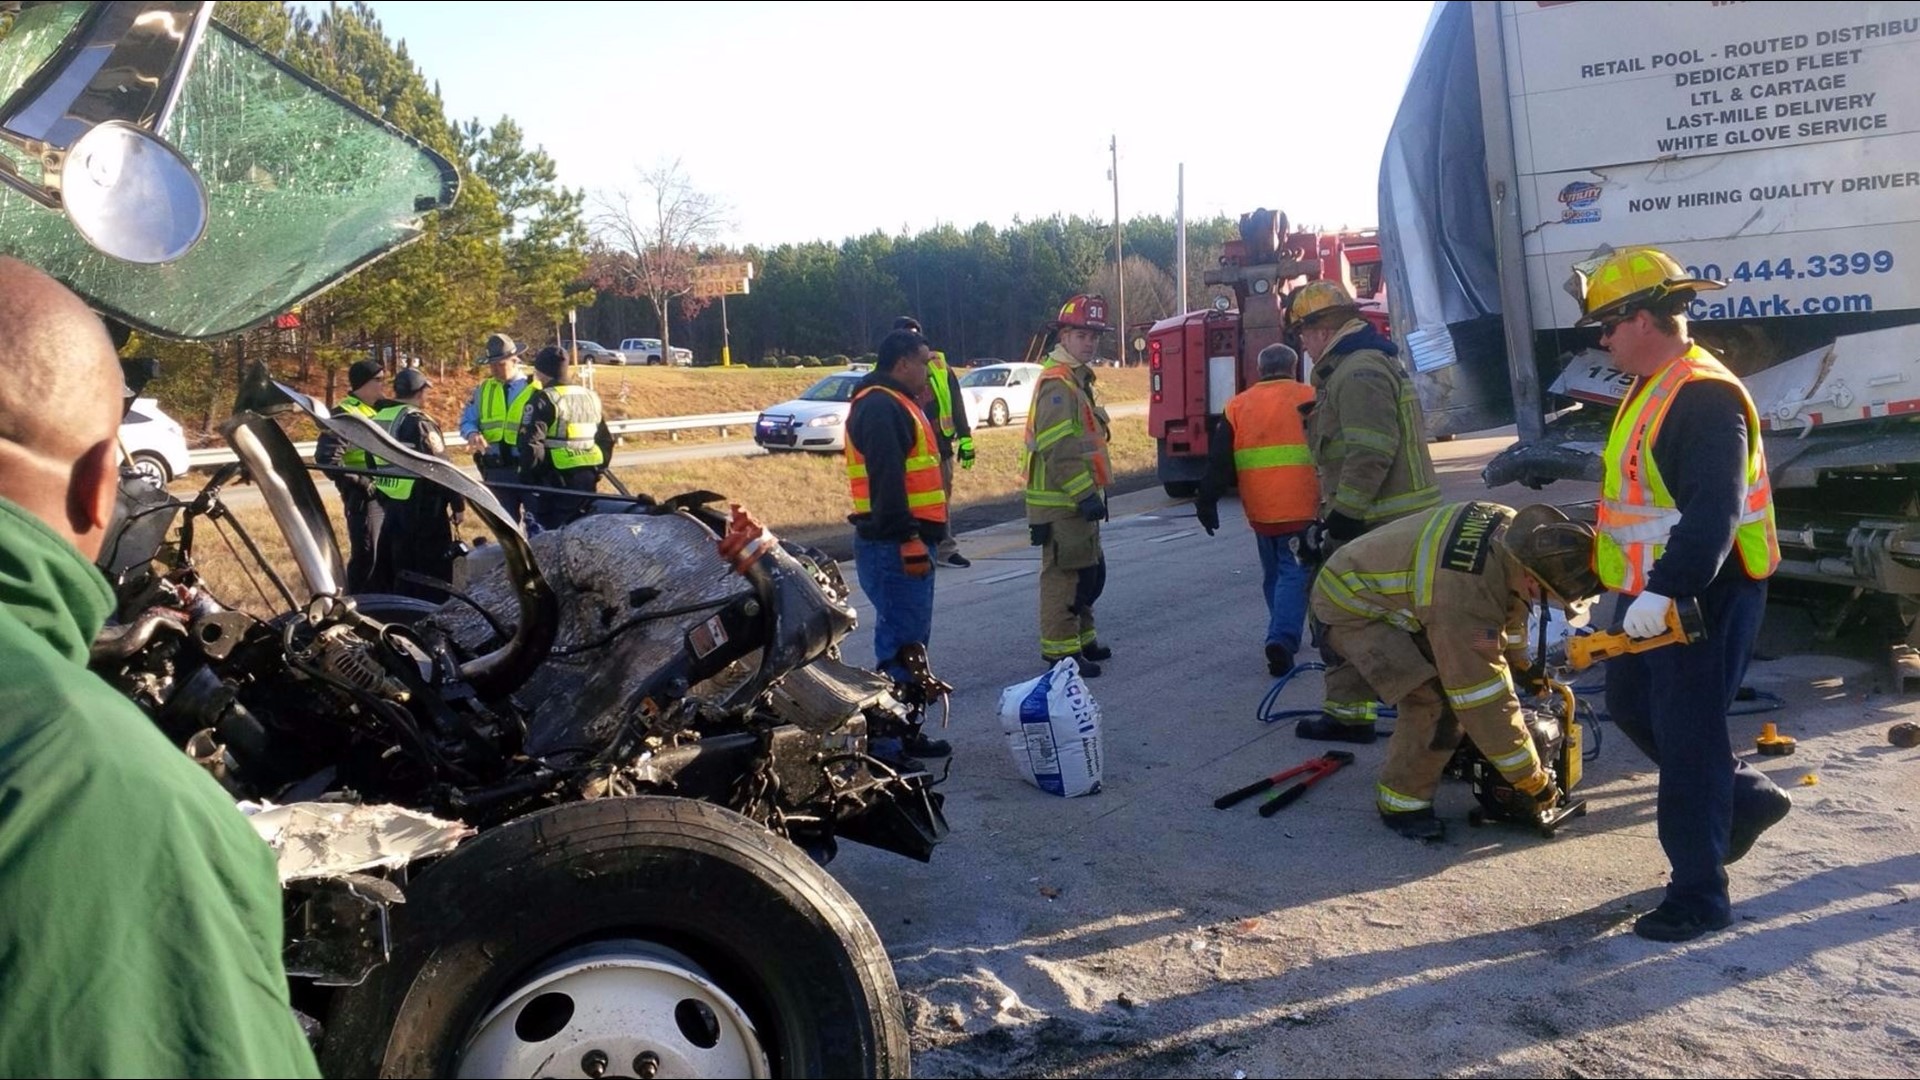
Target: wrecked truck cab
x,y
579,811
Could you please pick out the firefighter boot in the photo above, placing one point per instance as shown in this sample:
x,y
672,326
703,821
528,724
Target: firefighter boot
x,y
1325,728
1088,668
1095,651
1419,825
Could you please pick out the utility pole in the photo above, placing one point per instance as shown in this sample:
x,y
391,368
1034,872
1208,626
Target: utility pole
x,y
726,338
1119,248
1180,233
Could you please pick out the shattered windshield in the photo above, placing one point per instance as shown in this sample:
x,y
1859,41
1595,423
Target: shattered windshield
x,y
302,189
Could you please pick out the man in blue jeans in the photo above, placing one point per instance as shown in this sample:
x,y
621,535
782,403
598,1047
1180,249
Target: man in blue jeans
x,y
1261,442
899,506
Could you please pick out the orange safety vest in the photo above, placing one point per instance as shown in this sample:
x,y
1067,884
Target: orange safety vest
x,y
1277,481
1637,511
926,491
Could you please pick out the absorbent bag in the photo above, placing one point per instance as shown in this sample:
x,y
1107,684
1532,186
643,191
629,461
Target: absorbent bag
x,y
1052,726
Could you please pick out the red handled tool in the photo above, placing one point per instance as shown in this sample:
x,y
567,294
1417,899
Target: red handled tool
x,y
1314,770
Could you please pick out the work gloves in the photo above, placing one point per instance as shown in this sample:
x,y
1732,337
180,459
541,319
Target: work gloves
x,y
915,559
1208,514
1093,508
1647,615
1530,681
1310,547
1341,528
963,450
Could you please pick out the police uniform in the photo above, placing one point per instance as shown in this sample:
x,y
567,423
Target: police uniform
x,y
1430,615
417,535
362,511
564,443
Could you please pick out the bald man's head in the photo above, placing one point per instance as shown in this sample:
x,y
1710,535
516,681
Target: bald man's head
x,y
61,392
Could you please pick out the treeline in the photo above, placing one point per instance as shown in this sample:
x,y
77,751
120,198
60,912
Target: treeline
x,y
513,253
980,293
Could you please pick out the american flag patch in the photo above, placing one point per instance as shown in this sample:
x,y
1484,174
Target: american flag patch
x,y
1485,640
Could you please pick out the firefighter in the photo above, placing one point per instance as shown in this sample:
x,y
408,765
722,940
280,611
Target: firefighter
x,y
564,441
947,407
1686,510
899,508
417,533
491,422
1431,611
1065,461
1261,443
362,511
1369,444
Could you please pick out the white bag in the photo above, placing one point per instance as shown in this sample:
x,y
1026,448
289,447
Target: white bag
x,y
1052,726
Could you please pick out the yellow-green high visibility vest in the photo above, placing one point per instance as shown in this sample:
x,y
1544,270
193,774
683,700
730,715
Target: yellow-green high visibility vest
x,y
942,393
500,418
576,419
355,458
397,488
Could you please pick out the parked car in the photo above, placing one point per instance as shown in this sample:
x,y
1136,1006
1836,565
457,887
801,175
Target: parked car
x,y
646,350
998,394
154,443
816,420
592,352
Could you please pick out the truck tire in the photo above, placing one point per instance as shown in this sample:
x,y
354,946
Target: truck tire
x,y
1182,489
688,934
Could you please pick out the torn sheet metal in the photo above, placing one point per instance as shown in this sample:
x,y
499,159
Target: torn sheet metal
x,y
328,839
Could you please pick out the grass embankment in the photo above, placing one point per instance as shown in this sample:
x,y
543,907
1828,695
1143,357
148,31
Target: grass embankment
x,y
803,495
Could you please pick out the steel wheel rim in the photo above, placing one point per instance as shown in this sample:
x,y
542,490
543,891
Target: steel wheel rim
x,y
616,1009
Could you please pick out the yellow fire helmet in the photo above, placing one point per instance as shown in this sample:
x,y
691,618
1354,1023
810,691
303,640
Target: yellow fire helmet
x,y
1609,282
1317,296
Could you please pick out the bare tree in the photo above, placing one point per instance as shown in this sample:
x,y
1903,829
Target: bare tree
x,y
1150,296
646,240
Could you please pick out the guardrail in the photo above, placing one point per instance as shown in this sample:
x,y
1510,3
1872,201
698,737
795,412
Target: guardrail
x,y
219,455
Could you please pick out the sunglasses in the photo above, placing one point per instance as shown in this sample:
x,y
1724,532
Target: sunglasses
x,y
1609,325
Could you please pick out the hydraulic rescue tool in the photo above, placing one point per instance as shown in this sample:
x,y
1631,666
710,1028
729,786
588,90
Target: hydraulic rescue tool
x,y
1555,730
1313,771
1684,627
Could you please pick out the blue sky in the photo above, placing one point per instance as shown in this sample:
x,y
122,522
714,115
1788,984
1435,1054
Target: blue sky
x,y
824,121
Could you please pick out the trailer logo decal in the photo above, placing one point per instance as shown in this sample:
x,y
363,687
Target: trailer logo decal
x,y
1580,200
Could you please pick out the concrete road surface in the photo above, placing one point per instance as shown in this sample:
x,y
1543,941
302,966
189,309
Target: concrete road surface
x,y
1141,932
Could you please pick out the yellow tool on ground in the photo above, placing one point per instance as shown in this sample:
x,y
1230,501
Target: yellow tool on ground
x,y
1684,627
1773,744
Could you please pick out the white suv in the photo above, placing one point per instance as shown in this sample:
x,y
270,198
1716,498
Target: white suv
x,y
646,350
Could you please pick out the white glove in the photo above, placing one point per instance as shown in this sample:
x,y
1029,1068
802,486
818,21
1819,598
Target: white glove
x,y
1647,615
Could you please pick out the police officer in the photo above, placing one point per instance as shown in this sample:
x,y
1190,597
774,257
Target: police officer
x,y
946,407
1261,444
1686,511
362,511
1067,476
1432,612
417,535
1369,443
490,423
564,441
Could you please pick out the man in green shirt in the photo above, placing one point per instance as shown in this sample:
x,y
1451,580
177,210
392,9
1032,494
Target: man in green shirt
x,y
140,919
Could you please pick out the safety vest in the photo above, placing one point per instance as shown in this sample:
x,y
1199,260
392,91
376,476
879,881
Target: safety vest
x,y
942,393
1277,481
500,418
397,488
926,491
355,458
1083,428
1637,511
576,419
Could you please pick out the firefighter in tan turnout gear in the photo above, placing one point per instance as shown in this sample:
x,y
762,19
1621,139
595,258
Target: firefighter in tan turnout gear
x,y
1369,445
1067,476
1431,615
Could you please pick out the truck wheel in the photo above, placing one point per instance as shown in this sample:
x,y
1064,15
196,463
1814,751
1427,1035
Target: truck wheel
x,y
625,937
1182,489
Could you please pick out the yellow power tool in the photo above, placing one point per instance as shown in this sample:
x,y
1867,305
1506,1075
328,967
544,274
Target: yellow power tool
x,y
1684,627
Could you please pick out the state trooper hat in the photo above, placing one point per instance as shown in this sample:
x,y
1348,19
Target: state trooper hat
x,y
408,382
500,347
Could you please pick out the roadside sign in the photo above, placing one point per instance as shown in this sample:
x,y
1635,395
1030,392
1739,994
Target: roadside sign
x,y
721,279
